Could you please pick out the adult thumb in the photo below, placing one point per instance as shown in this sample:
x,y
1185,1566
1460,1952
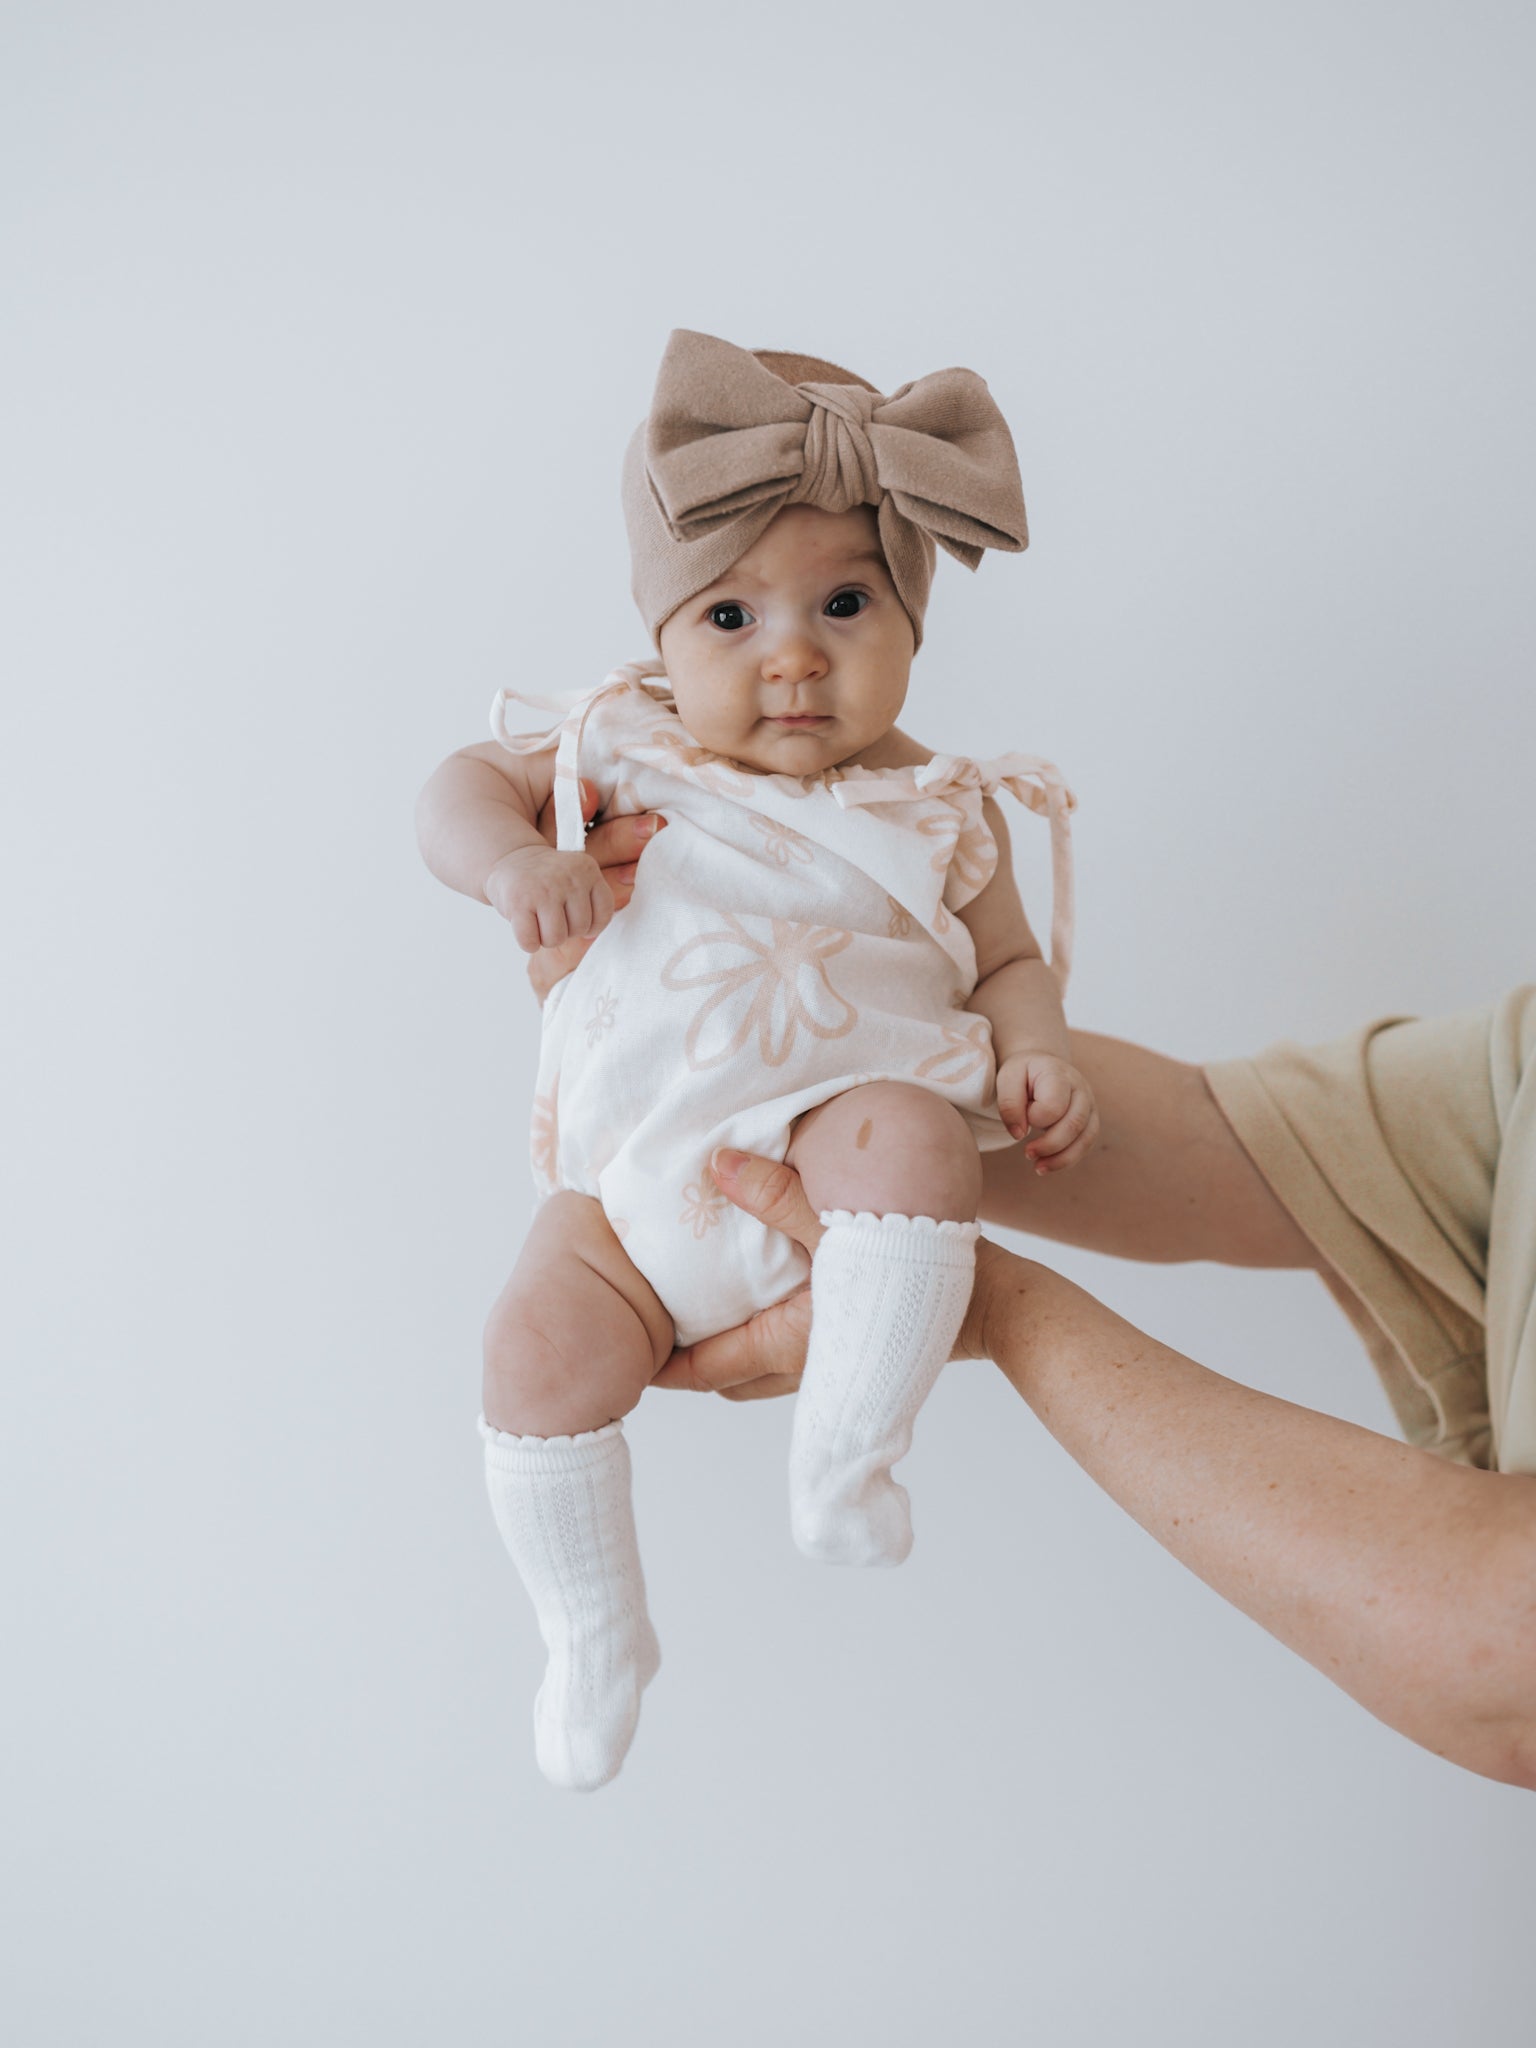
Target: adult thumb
x,y
768,1190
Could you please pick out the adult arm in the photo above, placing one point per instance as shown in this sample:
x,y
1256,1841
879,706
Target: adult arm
x,y
1167,1179
1408,1581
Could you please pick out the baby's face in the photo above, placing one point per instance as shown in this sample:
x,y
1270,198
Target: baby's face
x,y
799,656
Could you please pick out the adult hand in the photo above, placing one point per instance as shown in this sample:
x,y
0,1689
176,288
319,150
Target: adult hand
x,y
766,1355
616,846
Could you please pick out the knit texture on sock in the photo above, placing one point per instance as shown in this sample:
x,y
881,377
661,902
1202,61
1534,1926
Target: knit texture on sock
x,y
562,1504
888,1295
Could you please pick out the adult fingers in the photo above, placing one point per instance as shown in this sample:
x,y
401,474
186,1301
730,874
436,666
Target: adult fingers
x,y
621,883
724,1364
552,964
618,841
757,1360
768,1190
768,1388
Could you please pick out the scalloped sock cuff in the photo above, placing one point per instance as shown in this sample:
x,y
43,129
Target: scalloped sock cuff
x,y
562,1504
888,1295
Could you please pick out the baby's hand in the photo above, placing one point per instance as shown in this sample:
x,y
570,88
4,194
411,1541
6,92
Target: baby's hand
x,y
549,897
1038,1092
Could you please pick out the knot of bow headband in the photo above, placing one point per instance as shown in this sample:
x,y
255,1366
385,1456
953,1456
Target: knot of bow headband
x,y
730,440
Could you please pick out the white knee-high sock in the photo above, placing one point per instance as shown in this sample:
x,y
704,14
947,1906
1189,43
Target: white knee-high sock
x,y
562,1504
888,1295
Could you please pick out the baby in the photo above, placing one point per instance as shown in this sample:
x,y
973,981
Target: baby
x,y
825,959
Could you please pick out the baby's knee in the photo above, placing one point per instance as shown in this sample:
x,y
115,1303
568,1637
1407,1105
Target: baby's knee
x,y
564,1351
542,1378
891,1148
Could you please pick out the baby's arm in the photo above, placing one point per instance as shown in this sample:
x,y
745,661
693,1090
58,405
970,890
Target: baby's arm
x,y
476,825
1038,1088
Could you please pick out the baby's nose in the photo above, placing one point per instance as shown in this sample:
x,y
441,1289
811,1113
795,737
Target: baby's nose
x,y
794,658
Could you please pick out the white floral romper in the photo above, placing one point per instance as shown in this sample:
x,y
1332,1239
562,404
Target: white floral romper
x,y
788,938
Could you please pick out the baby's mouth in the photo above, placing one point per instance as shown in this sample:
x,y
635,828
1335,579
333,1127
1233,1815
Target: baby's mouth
x,y
793,721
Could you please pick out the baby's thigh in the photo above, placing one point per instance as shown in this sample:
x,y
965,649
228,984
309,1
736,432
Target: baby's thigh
x,y
577,1333
891,1148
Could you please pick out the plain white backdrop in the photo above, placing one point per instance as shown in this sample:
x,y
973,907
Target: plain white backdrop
x,y
325,326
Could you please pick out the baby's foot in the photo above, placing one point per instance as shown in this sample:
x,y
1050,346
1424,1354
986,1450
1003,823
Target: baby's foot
x,y
587,1709
562,1504
854,1516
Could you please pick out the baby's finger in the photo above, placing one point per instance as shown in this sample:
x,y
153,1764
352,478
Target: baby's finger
x,y
1015,1119
1077,1150
525,929
600,905
552,931
1066,1130
1050,1095
1011,1106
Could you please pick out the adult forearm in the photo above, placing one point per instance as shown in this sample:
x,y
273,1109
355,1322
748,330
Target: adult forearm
x,y
1408,1581
1167,1180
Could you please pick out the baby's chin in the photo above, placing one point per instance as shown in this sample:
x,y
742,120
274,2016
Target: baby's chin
x,y
797,760
777,752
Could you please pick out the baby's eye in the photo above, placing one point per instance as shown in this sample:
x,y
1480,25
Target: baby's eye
x,y
847,604
730,618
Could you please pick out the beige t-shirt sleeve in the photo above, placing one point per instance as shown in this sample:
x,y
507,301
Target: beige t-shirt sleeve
x,y
1407,1154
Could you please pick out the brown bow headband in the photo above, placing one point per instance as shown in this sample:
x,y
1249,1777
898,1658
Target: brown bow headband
x,y
731,439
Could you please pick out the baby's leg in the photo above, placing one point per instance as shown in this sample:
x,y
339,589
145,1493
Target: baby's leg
x,y
897,1176
569,1347
577,1333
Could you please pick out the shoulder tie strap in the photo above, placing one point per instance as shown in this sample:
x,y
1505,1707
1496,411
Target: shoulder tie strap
x,y
1040,785
1034,781
570,825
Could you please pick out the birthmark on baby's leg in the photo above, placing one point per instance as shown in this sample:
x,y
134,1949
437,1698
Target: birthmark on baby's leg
x,y
866,1132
